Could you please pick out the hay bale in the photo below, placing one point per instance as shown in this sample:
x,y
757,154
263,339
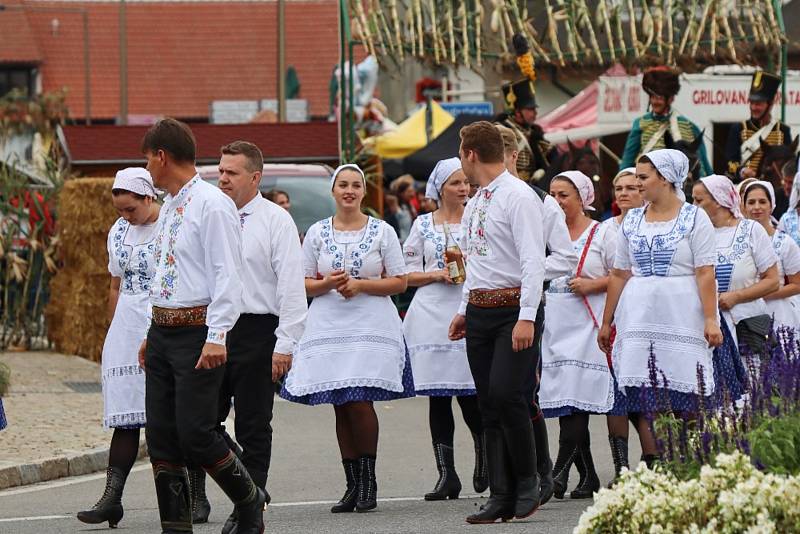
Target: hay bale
x,y
76,313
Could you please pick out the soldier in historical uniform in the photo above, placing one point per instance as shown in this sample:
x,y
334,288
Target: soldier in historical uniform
x,y
520,101
743,149
662,127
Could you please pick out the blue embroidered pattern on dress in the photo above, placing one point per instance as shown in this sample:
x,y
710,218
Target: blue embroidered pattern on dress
x,y
655,258
428,231
791,225
727,258
135,261
356,256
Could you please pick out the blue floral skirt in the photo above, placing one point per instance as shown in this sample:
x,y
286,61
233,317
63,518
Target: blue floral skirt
x,y
729,380
341,396
3,422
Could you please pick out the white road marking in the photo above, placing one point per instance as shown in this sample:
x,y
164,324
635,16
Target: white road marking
x,y
34,518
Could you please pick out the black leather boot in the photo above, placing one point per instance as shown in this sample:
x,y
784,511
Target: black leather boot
x,y
501,496
109,507
480,476
448,486
522,451
544,465
348,501
201,508
589,482
231,524
650,460
367,485
259,478
172,493
619,454
232,477
566,456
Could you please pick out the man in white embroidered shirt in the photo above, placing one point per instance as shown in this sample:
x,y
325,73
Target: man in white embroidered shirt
x,y
505,253
196,297
274,309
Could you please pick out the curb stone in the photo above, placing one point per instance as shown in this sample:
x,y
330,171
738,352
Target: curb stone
x,y
70,465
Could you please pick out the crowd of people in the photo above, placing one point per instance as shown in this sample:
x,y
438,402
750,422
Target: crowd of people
x,y
558,315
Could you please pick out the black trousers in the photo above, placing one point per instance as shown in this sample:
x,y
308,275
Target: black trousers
x,y
502,376
532,387
181,401
248,379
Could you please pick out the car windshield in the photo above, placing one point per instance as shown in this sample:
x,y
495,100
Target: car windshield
x,y
310,196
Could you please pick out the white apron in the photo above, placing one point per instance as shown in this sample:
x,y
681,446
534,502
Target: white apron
x,y
130,252
575,371
355,342
660,307
439,365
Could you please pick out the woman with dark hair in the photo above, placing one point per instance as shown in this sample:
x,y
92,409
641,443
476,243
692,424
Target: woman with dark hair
x,y
131,264
352,352
281,198
782,305
403,188
576,380
662,298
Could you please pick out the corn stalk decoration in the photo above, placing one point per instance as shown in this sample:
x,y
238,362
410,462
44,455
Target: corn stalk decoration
x,y
28,245
575,33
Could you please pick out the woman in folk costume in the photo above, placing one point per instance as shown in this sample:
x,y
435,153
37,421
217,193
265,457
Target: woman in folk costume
x,y
576,379
662,296
790,221
627,197
782,305
441,369
746,268
131,264
352,351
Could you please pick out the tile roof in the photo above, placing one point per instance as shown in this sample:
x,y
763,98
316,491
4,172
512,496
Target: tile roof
x,y
17,42
183,55
295,142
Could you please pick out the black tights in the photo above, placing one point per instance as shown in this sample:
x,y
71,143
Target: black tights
x,y
574,431
124,449
357,429
440,417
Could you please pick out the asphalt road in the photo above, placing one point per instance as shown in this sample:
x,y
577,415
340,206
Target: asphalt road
x,y
306,478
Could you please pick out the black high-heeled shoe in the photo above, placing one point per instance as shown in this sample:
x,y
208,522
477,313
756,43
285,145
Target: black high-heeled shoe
x,y
109,507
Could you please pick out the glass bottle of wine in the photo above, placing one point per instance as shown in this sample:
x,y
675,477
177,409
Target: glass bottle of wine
x,y
454,258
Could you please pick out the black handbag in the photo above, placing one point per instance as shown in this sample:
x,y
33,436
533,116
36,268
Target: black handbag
x,y
754,332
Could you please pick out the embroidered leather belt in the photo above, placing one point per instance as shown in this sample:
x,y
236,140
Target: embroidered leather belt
x,y
495,298
179,316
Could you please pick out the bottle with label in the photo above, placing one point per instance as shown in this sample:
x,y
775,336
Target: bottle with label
x,y
454,258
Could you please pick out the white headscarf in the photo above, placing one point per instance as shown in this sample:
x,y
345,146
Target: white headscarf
x,y
724,192
623,172
794,197
348,166
441,173
584,186
673,165
765,185
136,180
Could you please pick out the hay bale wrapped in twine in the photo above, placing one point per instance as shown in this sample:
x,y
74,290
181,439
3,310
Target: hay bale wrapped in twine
x,y
76,313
